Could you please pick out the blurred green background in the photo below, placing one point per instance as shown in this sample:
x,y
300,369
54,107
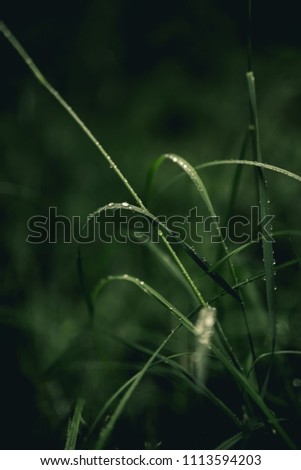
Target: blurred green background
x,y
147,78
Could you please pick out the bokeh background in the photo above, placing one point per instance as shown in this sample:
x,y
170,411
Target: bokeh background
x,y
147,78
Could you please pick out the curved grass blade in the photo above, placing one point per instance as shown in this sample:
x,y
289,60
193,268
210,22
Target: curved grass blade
x,y
147,290
265,166
204,265
201,262
275,353
201,188
239,162
74,424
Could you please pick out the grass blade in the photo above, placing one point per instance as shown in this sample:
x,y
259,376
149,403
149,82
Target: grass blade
x,y
264,166
201,262
147,290
267,246
74,424
275,353
233,440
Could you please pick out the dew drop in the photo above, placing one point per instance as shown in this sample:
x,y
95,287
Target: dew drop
x,y
296,383
125,204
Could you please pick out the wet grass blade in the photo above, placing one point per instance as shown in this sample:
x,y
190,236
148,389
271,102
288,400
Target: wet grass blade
x,y
267,247
201,188
278,233
200,261
264,166
207,268
150,291
258,276
74,424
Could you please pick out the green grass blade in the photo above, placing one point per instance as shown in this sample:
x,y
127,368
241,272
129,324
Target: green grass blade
x,y
74,424
275,353
278,233
207,268
265,166
150,291
201,262
233,440
188,169
258,276
237,178
267,247
201,188
150,177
